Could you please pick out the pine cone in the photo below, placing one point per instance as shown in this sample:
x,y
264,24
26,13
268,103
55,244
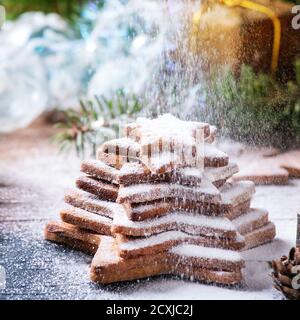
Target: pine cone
x,y
286,275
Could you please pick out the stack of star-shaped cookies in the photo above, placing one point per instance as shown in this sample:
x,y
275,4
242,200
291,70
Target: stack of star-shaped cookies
x,y
158,201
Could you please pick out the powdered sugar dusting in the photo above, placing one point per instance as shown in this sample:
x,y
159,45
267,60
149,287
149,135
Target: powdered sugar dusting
x,y
180,218
237,192
162,238
80,213
169,126
101,165
190,250
132,168
167,161
221,173
147,192
92,203
192,172
250,216
154,240
122,143
213,152
141,208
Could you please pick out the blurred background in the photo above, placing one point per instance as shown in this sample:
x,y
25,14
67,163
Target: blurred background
x,y
101,63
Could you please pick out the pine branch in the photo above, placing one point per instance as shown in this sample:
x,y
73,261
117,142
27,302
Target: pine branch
x,y
95,122
70,9
255,108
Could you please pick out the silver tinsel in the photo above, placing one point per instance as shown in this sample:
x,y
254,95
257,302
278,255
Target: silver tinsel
x,y
44,64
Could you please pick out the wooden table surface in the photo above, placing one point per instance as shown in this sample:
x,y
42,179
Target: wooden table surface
x,y
33,180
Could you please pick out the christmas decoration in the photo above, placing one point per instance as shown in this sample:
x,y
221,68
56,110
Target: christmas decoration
x,y
253,108
119,41
256,33
134,46
34,51
2,16
286,274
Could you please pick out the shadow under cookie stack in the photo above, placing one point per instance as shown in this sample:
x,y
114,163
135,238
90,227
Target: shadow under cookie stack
x,y
158,201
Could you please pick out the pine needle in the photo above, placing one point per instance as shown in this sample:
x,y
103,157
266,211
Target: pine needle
x,y
95,121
